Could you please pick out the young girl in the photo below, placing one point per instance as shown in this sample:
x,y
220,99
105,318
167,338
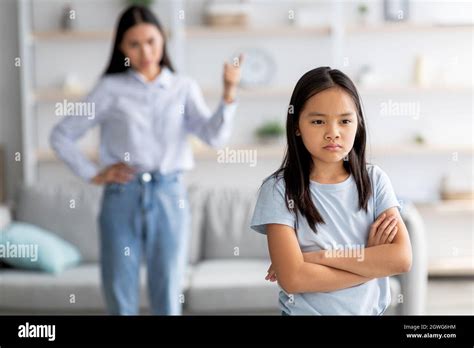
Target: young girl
x,y
145,112
333,228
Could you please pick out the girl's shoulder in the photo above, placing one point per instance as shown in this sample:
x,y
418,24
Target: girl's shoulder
x,y
373,169
377,175
274,182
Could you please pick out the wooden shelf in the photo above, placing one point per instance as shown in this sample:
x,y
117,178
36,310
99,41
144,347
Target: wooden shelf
x,y
50,95
263,151
375,90
446,206
71,35
201,153
48,156
455,266
207,31
419,150
405,27
252,92
285,92
277,151
56,95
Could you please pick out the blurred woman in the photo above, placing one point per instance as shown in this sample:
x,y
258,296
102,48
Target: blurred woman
x,y
145,112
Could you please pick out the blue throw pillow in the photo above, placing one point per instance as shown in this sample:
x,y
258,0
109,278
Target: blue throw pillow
x,y
30,247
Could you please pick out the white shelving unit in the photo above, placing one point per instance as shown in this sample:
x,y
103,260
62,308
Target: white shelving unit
x,y
337,31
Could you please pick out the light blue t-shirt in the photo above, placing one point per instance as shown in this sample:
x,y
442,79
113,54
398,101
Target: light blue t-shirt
x,y
346,228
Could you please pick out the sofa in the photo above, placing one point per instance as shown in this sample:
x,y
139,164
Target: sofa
x,y
227,261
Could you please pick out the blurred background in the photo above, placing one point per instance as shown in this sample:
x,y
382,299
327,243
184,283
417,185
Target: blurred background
x,y
411,60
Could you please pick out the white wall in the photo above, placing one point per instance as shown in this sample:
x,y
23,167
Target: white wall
x,y
10,117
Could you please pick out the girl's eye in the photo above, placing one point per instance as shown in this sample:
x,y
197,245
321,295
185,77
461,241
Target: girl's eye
x,y
321,121
134,45
151,41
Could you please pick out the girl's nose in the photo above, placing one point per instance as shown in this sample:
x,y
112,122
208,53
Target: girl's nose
x,y
332,134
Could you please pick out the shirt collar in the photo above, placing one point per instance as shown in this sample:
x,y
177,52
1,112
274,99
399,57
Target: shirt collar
x,y
163,79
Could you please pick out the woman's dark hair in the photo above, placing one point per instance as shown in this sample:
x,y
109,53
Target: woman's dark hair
x,y
297,163
131,16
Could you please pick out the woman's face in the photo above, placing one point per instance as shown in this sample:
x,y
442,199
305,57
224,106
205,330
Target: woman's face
x,y
143,45
328,118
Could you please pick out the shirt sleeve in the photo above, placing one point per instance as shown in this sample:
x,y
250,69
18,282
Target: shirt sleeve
x,y
384,194
270,207
214,129
65,134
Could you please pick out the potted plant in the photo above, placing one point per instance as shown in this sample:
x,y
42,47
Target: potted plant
x,y
270,132
363,11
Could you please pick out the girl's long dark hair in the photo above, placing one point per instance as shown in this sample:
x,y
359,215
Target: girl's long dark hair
x,y
297,163
131,16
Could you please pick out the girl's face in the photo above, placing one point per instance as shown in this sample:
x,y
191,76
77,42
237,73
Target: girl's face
x,y
143,45
328,118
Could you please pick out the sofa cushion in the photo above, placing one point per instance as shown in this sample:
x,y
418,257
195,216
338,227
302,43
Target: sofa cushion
x,y
71,212
197,199
35,292
231,286
30,247
227,218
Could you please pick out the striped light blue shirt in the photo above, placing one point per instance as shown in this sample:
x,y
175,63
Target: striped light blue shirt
x,y
144,124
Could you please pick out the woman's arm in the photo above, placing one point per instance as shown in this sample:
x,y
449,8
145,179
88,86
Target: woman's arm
x,y
213,128
376,261
65,134
294,274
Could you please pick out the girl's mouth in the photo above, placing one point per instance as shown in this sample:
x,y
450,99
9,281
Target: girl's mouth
x,y
332,147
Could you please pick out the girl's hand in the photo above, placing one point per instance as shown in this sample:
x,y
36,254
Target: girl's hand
x,y
232,79
120,173
271,274
383,230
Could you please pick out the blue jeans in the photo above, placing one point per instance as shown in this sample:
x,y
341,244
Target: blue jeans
x,y
146,218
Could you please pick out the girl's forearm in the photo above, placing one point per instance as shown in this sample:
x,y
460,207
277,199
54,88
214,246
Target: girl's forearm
x,y
374,262
319,278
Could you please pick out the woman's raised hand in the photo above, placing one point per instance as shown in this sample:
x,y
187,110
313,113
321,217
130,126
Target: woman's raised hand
x,y
232,78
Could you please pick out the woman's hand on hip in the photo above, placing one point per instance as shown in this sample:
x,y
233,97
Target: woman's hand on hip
x,y
232,78
120,173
